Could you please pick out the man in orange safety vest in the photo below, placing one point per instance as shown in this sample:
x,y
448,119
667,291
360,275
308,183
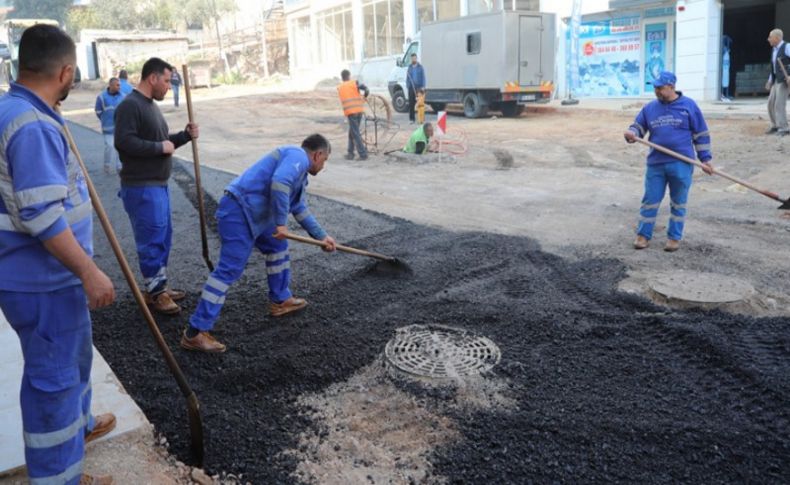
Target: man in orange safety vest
x,y
353,106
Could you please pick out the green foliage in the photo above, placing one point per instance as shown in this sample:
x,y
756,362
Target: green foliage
x,y
41,9
79,19
233,77
146,14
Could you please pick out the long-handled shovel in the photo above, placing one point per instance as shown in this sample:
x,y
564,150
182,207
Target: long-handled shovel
x,y
193,406
196,160
392,263
772,195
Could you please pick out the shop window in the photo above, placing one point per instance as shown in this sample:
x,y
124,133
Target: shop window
x,y
383,25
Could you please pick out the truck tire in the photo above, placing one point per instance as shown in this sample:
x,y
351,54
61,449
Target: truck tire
x,y
512,110
473,106
399,101
436,107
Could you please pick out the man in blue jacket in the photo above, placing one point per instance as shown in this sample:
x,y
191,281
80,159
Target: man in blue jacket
x,y
126,88
48,279
415,83
675,122
106,103
254,213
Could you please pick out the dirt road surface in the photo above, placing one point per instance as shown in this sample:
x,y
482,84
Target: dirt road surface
x,y
595,384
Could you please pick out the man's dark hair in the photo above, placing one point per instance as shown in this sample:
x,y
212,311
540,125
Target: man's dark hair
x,y
317,143
414,54
345,75
155,65
123,74
44,49
112,79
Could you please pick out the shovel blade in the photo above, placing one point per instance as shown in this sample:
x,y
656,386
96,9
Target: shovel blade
x,y
785,205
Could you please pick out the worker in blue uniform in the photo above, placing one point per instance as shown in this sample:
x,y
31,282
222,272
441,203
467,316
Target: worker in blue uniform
x,y
254,213
675,122
49,279
106,102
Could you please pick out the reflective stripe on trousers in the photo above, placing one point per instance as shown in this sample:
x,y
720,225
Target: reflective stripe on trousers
x,y
676,175
237,244
54,331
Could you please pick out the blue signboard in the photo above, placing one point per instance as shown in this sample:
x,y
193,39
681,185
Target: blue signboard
x,y
609,60
655,52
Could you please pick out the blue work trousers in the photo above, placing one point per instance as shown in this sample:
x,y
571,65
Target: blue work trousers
x,y
111,160
355,137
676,175
149,212
237,244
54,331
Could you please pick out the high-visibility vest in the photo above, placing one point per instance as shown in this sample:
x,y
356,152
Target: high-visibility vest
x,y
352,100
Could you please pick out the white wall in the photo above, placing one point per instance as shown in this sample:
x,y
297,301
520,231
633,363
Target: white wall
x,y
698,49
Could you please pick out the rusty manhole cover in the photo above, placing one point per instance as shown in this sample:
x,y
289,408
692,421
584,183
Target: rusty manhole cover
x,y
697,287
440,351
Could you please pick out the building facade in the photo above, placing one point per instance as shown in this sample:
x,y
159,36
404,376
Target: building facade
x,y
716,47
365,36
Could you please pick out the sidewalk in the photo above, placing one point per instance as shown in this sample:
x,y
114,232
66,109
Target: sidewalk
x,y
749,108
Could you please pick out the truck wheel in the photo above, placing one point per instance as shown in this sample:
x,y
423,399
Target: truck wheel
x,y
399,101
436,107
473,106
511,110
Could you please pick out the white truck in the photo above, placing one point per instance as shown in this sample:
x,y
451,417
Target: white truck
x,y
500,61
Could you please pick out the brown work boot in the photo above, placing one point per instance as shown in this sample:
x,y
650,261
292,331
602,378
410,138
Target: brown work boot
x,y
162,303
103,424
292,304
672,246
86,479
641,242
202,342
176,295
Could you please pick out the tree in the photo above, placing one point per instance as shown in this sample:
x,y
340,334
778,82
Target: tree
x,y
41,9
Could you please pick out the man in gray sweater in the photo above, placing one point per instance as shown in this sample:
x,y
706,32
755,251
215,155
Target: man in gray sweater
x,y
145,147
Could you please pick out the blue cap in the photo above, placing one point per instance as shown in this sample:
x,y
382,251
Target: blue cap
x,y
663,79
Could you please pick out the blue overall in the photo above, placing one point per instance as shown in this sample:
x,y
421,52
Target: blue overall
x,y
256,203
148,208
679,126
42,194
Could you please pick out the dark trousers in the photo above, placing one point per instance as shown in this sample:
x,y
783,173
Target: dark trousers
x,y
412,103
354,136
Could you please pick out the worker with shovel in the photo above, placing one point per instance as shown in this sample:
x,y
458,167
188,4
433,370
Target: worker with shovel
x,y
146,146
675,122
254,213
49,279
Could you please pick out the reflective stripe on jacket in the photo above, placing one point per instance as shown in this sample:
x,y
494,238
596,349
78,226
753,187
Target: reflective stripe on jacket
x,y
350,97
42,193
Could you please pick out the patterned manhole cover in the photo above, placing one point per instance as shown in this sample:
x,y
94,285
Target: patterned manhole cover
x,y
701,287
440,351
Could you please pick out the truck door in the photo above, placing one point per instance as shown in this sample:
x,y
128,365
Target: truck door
x,y
529,52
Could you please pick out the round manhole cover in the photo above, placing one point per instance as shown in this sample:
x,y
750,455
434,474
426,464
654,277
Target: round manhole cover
x,y
440,351
701,287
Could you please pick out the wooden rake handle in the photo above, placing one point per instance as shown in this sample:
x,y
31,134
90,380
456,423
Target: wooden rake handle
x,y
339,247
193,405
686,159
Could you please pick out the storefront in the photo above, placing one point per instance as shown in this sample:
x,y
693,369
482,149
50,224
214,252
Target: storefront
x,y
621,51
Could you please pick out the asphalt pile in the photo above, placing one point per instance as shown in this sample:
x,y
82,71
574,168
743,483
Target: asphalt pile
x,y
607,387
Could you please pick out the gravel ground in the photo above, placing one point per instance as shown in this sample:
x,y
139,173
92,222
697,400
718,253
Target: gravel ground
x,y
594,384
